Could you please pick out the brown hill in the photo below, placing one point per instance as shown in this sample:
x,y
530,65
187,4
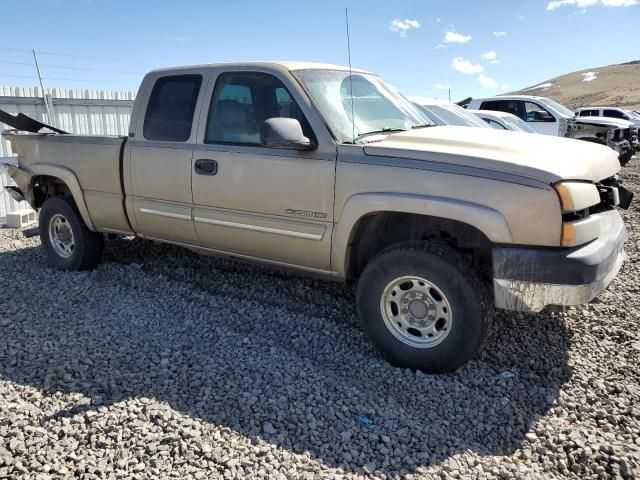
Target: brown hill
x,y
613,85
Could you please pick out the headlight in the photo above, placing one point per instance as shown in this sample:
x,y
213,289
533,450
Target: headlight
x,y
575,197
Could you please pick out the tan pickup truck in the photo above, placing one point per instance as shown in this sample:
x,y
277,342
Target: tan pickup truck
x,y
330,171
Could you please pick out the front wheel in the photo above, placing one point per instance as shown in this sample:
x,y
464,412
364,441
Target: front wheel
x,y
424,307
67,242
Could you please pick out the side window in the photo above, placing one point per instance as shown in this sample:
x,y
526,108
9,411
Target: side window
x,y
490,105
240,104
612,114
535,113
494,124
589,113
172,103
514,107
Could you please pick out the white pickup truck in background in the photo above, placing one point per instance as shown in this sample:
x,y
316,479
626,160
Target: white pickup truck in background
x,y
548,117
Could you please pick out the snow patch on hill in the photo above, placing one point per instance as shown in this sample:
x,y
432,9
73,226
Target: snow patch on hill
x,y
589,76
541,86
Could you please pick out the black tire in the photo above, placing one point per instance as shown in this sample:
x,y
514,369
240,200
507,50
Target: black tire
x,y
87,245
442,266
624,158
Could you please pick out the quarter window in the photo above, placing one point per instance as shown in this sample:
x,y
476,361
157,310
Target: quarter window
x,y
172,103
241,103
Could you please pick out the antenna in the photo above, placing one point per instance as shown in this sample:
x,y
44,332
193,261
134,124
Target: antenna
x,y
353,119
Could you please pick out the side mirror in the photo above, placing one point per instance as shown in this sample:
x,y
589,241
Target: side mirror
x,y
538,116
286,133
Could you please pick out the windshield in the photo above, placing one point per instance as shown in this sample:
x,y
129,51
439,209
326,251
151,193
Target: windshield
x,y
518,124
377,106
455,115
561,109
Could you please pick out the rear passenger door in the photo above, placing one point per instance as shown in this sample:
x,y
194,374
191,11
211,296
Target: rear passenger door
x,y
159,199
270,204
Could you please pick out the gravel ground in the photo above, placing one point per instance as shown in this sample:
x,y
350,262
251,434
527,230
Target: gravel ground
x,y
162,363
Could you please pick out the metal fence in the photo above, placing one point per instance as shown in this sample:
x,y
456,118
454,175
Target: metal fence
x,y
84,112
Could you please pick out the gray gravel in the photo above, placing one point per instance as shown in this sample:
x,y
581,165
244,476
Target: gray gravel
x,y
162,363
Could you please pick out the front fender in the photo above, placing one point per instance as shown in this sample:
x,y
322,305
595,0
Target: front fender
x,y
488,220
24,179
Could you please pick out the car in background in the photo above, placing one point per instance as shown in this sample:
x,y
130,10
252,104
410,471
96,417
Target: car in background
x,y
548,117
442,112
610,112
503,121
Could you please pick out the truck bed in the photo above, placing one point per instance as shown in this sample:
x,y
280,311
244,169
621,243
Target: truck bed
x,y
95,161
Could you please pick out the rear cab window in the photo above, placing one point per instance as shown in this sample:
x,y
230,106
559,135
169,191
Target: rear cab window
x,y
171,107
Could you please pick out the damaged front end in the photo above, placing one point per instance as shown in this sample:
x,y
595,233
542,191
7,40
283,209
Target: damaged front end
x,y
622,138
532,278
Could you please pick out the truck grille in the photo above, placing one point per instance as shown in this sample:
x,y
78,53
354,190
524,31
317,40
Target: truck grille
x,y
612,193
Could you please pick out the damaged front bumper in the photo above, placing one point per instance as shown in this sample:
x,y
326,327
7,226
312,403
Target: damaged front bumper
x,y
530,279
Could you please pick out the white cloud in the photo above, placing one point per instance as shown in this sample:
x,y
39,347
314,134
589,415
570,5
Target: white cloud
x,y
440,45
490,57
487,82
438,19
583,4
443,86
402,27
499,34
454,37
465,66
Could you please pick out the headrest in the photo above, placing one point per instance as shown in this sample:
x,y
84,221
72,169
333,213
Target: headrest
x,y
230,113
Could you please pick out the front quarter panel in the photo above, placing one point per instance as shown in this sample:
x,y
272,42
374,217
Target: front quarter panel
x,y
506,212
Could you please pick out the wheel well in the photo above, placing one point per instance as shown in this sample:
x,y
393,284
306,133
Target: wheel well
x,y
45,186
380,230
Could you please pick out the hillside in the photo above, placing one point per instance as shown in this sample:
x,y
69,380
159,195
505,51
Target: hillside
x,y
613,85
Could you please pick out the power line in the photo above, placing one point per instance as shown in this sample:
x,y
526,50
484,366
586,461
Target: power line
x,y
86,57
17,76
14,50
83,80
68,67
69,55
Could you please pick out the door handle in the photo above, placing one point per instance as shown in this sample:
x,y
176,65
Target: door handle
x,y
204,166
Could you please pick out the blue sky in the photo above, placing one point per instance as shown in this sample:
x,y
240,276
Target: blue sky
x,y
422,47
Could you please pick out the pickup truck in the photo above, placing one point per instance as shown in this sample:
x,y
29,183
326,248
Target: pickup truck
x,y
331,171
548,117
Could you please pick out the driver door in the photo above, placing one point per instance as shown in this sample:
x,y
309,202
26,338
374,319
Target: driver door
x,y
274,205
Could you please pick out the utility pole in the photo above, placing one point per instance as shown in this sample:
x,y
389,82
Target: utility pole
x,y
45,97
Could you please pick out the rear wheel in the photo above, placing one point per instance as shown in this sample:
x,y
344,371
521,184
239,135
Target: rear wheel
x,y
67,242
424,307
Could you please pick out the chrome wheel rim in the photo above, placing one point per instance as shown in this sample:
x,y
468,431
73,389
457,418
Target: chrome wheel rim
x,y
61,235
416,312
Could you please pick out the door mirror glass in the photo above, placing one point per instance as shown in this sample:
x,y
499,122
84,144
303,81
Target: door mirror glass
x,y
279,132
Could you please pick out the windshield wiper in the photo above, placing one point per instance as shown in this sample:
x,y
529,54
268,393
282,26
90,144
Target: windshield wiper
x,y
422,125
382,130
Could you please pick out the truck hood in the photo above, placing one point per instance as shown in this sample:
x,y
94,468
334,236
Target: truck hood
x,y
542,157
603,122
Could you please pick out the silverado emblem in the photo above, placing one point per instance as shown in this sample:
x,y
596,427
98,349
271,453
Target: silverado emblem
x,y
306,213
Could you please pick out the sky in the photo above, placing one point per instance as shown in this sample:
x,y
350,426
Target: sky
x,y
423,47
